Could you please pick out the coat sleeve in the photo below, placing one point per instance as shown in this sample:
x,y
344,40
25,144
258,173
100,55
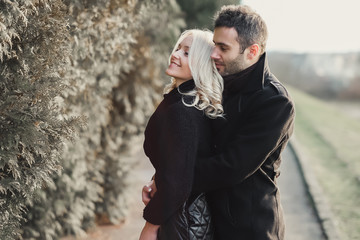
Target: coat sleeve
x,y
269,122
174,177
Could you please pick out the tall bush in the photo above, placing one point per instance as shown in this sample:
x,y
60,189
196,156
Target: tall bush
x,y
31,79
199,14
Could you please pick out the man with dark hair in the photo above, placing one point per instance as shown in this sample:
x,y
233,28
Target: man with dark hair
x,y
240,178
259,116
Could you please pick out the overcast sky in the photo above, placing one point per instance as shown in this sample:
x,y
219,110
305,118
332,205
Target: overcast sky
x,y
311,25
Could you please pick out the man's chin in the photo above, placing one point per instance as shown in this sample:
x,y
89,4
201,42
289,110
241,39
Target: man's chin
x,y
221,71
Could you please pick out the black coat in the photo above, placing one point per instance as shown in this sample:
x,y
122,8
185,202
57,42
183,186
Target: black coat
x,y
241,178
175,136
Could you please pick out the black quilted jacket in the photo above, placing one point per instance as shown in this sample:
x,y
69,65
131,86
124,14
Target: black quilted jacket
x,y
193,221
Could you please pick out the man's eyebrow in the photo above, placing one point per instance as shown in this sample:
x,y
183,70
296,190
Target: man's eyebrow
x,y
221,44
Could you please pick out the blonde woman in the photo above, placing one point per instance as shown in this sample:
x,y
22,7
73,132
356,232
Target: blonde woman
x,y
176,135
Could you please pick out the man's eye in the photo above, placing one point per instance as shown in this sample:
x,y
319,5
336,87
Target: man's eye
x,y
223,49
186,53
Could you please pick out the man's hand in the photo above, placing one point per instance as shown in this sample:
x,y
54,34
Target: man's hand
x,y
149,232
148,192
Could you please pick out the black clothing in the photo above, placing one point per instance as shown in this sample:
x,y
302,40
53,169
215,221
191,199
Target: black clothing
x,y
175,136
241,177
192,221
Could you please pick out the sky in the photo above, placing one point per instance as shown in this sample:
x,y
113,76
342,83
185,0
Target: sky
x,y
310,25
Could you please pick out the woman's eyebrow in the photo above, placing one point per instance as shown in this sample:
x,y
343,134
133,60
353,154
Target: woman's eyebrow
x,y
186,46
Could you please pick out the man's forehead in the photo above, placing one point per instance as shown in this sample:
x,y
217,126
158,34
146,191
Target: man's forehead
x,y
225,36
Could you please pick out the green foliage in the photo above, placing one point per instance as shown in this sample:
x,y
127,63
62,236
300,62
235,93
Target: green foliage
x,y
100,59
199,14
31,78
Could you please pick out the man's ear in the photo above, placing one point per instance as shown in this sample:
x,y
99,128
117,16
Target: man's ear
x,y
254,51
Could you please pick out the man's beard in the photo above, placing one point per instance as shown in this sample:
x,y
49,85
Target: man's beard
x,y
235,66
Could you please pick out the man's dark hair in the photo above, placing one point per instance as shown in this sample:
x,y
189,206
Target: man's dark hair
x,y
250,27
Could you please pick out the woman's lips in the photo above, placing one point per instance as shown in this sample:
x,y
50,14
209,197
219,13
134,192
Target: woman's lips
x,y
174,64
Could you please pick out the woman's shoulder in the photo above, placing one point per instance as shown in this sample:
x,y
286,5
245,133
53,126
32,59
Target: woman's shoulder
x,y
179,111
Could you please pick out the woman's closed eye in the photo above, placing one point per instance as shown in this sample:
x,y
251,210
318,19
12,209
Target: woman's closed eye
x,y
186,53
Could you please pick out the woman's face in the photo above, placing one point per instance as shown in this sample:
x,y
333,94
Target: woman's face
x,y
179,62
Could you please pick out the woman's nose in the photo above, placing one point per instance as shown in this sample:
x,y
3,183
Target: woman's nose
x,y
175,54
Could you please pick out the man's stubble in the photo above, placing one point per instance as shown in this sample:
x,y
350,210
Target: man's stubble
x,y
235,66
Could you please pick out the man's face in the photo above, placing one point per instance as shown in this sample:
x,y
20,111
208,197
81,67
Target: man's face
x,y
227,52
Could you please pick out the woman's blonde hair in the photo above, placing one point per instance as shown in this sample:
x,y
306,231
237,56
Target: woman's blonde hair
x,y
208,82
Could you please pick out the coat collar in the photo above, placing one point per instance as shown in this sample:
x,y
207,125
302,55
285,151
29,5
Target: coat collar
x,y
182,88
248,80
187,86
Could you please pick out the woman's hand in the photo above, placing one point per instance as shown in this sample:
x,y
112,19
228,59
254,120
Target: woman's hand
x,y
148,192
149,232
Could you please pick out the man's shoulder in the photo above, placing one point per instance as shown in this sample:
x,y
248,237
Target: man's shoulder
x,y
272,87
271,83
273,93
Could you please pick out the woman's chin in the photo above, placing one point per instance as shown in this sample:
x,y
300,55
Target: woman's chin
x,y
169,72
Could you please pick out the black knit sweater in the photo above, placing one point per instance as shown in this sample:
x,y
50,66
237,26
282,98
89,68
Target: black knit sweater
x,y
174,137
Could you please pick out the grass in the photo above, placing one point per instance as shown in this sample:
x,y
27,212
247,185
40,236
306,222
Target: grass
x,y
332,139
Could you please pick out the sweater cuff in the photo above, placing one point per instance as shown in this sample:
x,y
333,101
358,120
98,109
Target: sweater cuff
x,y
152,217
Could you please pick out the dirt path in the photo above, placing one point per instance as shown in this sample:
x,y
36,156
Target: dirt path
x,y
300,218
130,229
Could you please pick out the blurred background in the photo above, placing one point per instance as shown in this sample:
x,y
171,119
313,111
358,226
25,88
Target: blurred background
x,y
80,78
